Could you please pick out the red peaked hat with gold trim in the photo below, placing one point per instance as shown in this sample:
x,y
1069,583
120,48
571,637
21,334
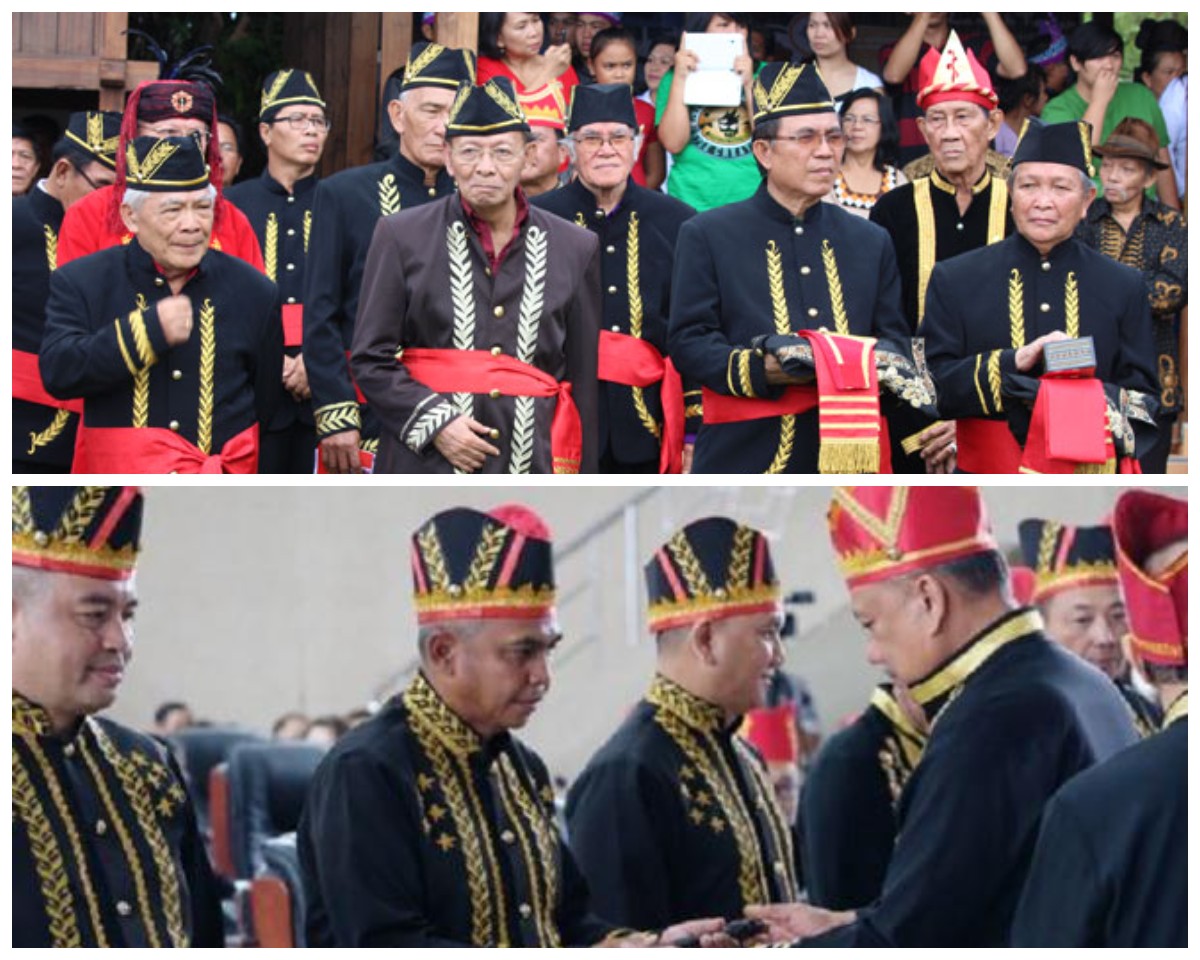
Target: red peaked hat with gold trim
x,y
1144,524
470,565
773,731
884,532
954,74
89,531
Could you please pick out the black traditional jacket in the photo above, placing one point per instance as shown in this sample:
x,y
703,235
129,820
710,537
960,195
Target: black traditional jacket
x,y
418,833
346,207
106,851
1013,717
675,818
1111,866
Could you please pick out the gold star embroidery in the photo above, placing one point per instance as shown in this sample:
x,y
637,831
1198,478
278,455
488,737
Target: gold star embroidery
x,y
697,816
686,773
717,824
424,782
176,793
165,806
446,842
138,759
702,799
547,795
436,813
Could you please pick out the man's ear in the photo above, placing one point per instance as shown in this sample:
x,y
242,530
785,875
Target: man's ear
x,y
396,115
934,599
129,218
442,653
700,642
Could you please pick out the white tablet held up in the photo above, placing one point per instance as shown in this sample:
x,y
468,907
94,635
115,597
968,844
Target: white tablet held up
x,y
714,82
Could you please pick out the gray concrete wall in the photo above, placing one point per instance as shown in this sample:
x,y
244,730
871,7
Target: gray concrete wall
x,y
257,600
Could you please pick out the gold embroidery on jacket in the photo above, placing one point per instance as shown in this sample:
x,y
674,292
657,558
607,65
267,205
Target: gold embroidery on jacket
x,y
208,363
633,278
783,326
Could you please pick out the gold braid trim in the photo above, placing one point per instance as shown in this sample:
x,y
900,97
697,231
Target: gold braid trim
x,y
783,325
535,850
143,810
271,247
485,931
926,242
836,300
994,380
1046,546
1016,309
208,362
389,196
80,512
125,354
772,818
491,542
335,417
739,558
744,381
48,862
997,211
699,748
127,846
68,821
308,222
51,247
435,560
51,433
978,388
22,520
636,308
141,379
689,565
1072,305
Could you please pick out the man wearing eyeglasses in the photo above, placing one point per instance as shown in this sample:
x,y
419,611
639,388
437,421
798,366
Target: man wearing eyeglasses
x,y
346,208
160,108
477,337
82,161
293,128
783,264
642,400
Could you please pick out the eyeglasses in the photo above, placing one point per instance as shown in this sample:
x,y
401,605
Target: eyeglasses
x,y
594,141
960,118
809,138
301,123
501,156
852,120
88,180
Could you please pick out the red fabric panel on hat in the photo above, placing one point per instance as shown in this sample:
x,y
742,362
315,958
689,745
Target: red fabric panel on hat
x,y
515,548
668,570
118,510
521,519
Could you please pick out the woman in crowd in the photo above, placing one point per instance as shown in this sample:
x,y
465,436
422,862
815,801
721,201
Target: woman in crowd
x,y
1164,54
1128,226
714,163
829,37
659,60
614,60
869,166
510,45
1020,99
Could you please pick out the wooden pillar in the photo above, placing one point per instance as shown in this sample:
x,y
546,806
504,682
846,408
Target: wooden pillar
x,y
395,42
113,60
458,30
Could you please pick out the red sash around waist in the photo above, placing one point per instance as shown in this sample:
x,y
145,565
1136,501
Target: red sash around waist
x,y
293,324
28,386
479,371
156,450
633,362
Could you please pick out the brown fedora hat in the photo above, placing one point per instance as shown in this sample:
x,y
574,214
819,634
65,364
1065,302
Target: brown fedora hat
x,y
1134,139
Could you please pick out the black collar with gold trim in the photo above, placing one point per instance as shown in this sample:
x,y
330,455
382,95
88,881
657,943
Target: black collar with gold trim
x,y
30,719
426,706
696,712
947,187
883,699
1178,711
934,691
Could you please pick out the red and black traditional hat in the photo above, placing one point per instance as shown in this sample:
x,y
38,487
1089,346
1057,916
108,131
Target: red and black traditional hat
x,y
432,65
711,569
954,74
469,565
90,531
1144,523
773,731
884,532
1064,557
545,106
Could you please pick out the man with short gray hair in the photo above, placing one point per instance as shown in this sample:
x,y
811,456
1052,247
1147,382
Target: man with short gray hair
x,y
991,313
182,378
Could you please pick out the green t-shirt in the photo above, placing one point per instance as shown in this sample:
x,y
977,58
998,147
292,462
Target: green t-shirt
x,y
717,165
1130,100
